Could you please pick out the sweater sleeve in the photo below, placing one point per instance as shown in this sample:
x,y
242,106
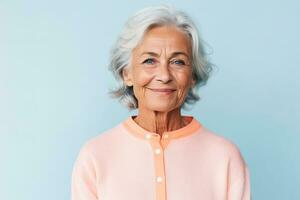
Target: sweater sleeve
x,y
238,178
83,183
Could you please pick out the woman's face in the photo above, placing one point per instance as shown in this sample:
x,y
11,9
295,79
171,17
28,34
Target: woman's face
x,y
160,70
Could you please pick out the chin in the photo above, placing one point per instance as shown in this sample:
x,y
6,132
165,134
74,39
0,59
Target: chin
x,y
161,107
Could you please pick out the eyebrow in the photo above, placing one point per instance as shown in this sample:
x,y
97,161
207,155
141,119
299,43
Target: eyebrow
x,y
157,55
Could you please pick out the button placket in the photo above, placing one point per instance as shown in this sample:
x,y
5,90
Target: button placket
x,y
158,156
165,140
158,145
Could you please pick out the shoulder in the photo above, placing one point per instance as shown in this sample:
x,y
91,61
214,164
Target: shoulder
x,y
102,142
220,144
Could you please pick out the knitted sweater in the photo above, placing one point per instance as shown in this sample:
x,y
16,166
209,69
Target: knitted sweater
x,y
128,162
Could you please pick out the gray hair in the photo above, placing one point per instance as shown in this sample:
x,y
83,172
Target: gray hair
x,y
133,33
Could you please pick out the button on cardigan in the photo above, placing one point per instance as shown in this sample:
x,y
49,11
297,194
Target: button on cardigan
x,y
128,162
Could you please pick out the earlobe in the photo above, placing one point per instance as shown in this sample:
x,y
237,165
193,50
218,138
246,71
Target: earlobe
x,y
127,77
193,83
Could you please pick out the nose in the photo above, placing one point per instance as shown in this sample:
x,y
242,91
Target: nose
x,y
163,73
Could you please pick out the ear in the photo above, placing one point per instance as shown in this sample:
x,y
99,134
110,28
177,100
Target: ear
x,y
127,77
193,83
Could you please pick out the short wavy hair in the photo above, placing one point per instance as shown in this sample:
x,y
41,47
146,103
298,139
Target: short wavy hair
x,y
133,32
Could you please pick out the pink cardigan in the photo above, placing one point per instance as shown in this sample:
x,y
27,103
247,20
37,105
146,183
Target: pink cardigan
x,y
128,162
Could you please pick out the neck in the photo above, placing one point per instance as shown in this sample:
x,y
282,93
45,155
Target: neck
x,y
160,122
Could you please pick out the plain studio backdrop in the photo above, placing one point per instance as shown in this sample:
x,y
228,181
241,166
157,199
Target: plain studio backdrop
x,y
54,82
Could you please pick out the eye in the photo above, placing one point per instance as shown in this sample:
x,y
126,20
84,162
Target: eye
x,y
178,62
149,61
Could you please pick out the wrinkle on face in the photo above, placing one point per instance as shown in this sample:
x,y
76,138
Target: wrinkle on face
x,y
157,63
155,45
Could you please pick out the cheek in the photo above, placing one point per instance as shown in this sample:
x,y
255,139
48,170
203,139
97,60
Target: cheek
x,y
183,83
143,76
141,79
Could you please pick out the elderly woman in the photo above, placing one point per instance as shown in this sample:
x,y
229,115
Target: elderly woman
x,y
159,154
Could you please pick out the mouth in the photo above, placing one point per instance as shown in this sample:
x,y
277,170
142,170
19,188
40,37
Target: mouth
x,y
162,90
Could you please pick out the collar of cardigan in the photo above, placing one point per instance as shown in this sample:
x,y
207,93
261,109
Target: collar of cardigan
x,y
142,133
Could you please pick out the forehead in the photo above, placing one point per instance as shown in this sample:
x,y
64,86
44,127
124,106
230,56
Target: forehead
x,y
161,38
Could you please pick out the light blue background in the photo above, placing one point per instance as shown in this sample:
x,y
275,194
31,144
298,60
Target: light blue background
x,y
54,82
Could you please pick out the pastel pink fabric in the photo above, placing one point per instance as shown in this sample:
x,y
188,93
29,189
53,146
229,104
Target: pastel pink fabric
x,y
128,162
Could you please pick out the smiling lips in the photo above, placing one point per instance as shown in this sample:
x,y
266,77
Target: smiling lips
x,y
163,90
